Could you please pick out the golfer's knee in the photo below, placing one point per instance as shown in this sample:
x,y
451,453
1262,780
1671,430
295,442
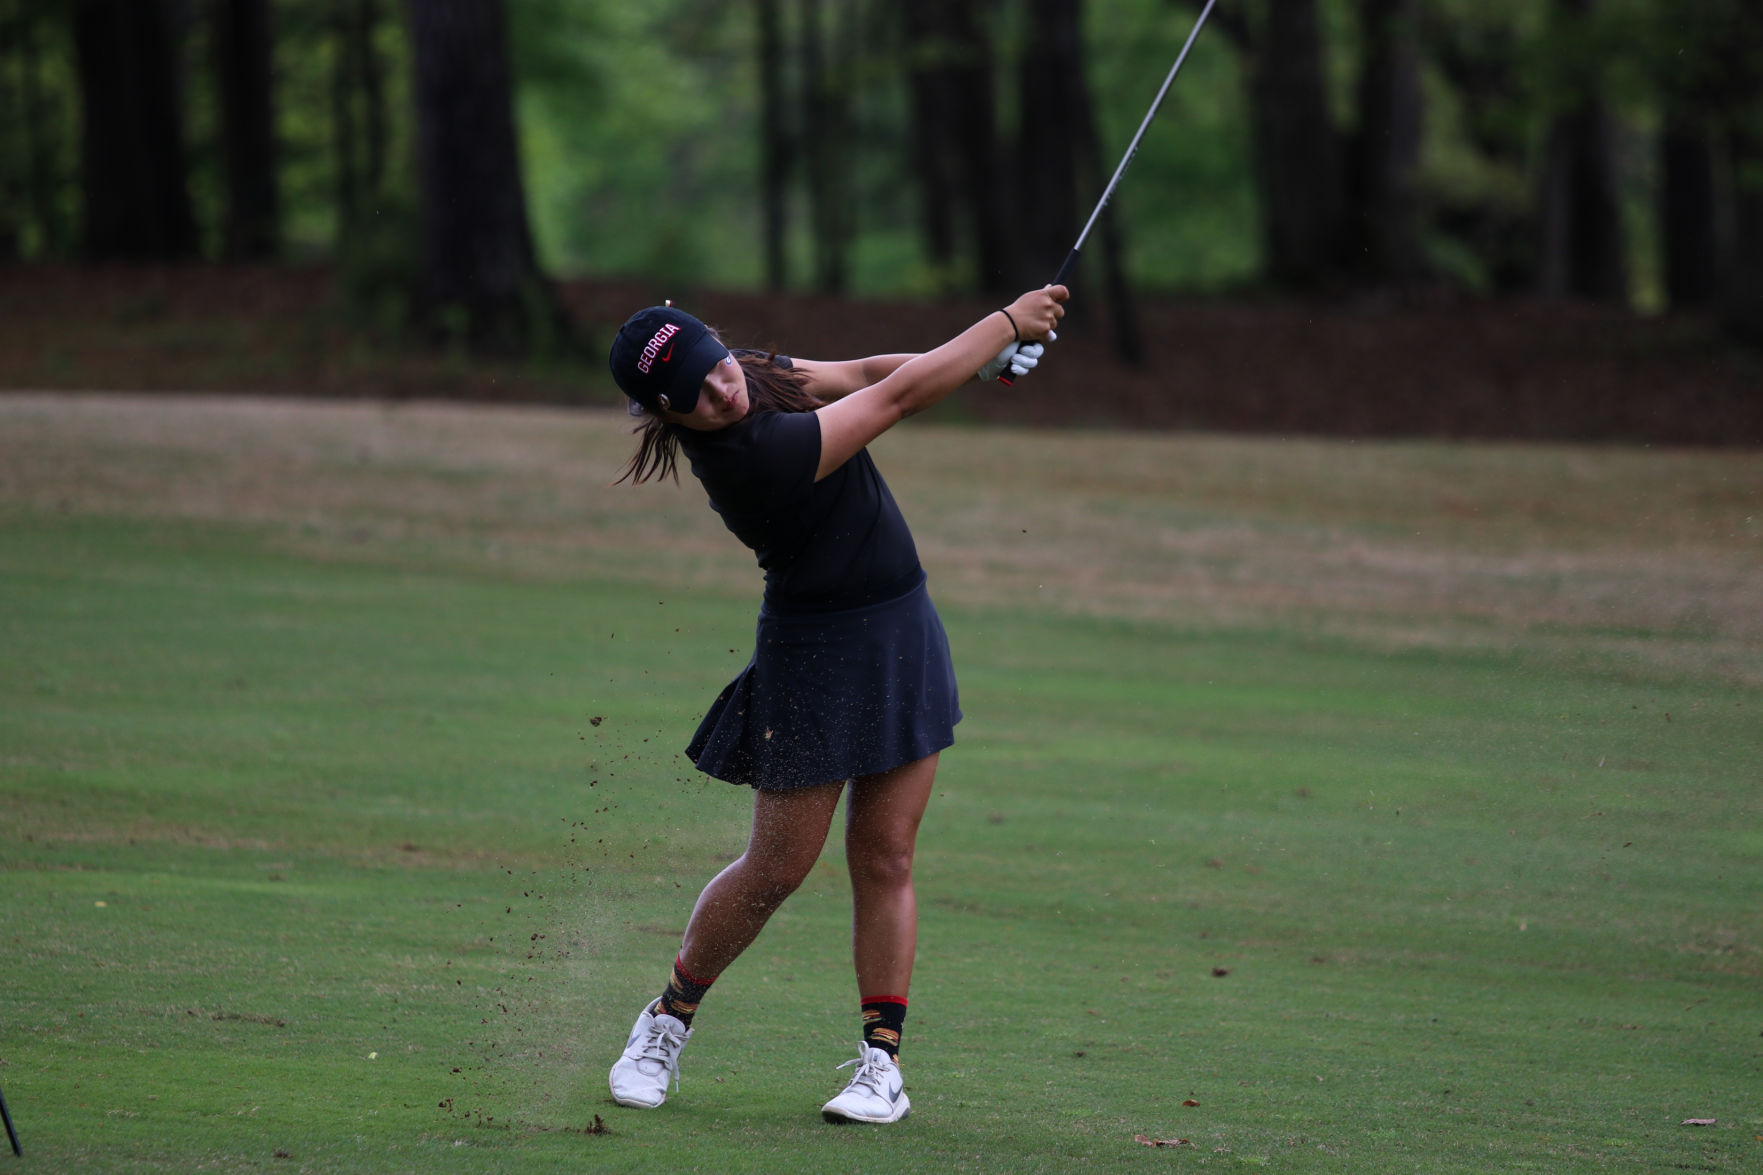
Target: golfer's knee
x,y
882,868
769,881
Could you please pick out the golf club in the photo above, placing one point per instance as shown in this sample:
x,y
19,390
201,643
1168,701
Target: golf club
x,y
1125,162
1131,150
11,1134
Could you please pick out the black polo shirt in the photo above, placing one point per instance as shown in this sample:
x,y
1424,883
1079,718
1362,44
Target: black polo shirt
x,y
837,543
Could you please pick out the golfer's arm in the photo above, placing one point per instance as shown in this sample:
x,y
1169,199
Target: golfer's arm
x,y
848,424
835,380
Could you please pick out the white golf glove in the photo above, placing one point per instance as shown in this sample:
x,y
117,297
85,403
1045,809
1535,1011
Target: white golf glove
x,y
1018,358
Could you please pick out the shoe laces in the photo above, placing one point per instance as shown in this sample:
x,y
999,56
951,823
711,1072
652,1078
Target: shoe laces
x,y
870,1072
662,1044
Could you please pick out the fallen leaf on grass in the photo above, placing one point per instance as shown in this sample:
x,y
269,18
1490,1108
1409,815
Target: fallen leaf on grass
x,y
1220,972
1698,1121
1147,1140
1190,1102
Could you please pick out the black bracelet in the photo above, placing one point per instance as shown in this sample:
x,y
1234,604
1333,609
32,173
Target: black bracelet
x,y
1012,322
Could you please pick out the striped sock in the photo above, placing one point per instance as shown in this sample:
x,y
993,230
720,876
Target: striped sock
x,y
884,1019
684,990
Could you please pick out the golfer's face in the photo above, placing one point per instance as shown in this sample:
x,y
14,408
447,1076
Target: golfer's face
x,y
721,402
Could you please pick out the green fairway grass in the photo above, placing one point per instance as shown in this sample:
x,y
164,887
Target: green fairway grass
x,y
1401,806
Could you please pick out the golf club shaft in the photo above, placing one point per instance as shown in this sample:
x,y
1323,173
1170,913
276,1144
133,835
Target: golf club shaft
x,y
11,1134
1132,149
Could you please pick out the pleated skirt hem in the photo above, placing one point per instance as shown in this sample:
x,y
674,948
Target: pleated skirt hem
x,y
833,696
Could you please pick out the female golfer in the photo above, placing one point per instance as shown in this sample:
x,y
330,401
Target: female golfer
x,y
850,680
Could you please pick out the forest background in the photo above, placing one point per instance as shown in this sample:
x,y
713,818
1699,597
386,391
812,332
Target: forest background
x,y
1367,216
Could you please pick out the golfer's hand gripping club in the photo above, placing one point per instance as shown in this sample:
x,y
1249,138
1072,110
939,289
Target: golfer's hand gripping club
x,y
1033,317
1015,360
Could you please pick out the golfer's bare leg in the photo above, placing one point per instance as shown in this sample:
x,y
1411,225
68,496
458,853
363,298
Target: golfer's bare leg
x,y
789,830
881,832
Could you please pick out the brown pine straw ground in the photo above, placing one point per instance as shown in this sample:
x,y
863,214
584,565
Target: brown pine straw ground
x,y
1647,561
1447,367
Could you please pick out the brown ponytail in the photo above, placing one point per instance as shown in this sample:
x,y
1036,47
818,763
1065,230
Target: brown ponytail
x,y
770,388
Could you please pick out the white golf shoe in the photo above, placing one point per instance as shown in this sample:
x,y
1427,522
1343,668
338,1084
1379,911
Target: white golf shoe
x,y
651,1057
876,1094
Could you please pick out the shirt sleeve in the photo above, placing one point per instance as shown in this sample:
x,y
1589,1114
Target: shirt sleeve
x,y
785,453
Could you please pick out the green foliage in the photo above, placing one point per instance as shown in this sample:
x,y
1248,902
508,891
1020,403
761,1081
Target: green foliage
x,y
642,147
1189,213
640,144
636,126
306,62
39,147
378,266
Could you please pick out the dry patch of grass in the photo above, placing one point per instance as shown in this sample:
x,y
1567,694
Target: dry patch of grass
x,y
1656,555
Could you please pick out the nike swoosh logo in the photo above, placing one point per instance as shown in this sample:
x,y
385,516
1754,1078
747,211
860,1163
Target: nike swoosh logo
x,y
670,347
894,1094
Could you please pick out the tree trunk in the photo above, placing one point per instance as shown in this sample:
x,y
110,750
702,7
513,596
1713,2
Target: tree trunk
x,y
1687,221
931,56
1297,149
14,195
816,150
1584,253
1741,105
1481,62
43,124
358,113
478,279
774,145
826,145
372,67
137,204
1743,300
1047,150
1384,154
954,135
1063,172
244,84
1096,170
974,120
345,139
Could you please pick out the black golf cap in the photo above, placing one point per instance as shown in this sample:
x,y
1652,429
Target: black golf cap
x,y
661,356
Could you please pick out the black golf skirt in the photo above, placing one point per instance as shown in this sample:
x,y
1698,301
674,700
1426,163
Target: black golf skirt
x,y
833,695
